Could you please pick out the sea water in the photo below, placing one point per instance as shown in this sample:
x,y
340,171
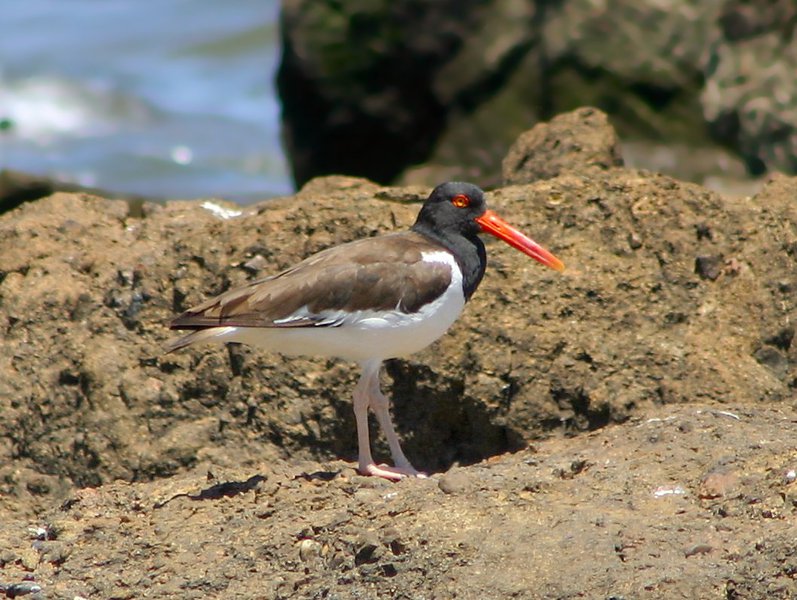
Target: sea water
x,y
171,99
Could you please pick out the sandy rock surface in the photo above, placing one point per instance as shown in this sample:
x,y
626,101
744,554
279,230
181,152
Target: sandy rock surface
x,y
689,502
580,139
649,391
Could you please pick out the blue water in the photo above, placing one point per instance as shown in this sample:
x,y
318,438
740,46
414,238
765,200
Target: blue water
x,y
169,99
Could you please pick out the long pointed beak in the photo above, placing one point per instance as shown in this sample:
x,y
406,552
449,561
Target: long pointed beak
x,y
493,224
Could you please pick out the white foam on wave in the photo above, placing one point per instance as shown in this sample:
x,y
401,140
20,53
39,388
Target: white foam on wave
x,y
42,109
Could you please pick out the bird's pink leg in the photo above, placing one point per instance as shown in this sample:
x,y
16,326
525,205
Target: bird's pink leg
x,y
361,401
367,393
381,407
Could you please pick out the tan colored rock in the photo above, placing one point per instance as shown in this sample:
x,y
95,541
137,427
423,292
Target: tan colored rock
x,y
87,290
571,141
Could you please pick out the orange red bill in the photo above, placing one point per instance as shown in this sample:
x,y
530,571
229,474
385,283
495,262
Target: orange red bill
x,y
494,225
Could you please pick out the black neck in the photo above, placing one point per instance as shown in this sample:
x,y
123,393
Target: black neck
x,y
468,251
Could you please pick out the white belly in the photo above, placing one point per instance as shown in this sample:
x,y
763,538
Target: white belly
x,y
363,335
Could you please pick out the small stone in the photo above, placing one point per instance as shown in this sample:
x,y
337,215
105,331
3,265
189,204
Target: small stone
x,y
368,548
782,339
664,491
454,482
708,267
22,589
255,264
697,549
29,558
391,537
771,357
309,549
732,267
703,232
364,482
718,482
55,552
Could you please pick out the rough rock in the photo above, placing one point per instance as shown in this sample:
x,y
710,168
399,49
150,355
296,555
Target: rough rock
x,y
629,521
387,51
17,187
571,141
87,289
97,421
749,99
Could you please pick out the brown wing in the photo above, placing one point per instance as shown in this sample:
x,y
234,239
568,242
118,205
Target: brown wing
x,y
384,273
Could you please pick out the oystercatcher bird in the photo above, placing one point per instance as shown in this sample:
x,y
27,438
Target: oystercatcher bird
x,y
367,301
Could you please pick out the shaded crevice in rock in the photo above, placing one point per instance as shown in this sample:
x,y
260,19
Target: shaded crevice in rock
x,y
441,423
577,412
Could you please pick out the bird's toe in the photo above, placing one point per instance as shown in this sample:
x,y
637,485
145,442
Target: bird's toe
x,y
388,472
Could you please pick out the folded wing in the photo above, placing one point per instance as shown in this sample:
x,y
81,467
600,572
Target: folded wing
x,y
390,275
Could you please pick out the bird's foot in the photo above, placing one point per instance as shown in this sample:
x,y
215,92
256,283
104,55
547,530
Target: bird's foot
x,y
390,473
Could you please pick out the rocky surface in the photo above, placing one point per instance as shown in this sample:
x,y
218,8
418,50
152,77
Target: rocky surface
x,y
17,187
654,382
748,100
689,502
377,89
577,140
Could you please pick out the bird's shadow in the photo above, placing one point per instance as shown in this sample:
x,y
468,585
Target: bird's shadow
x,y
219,490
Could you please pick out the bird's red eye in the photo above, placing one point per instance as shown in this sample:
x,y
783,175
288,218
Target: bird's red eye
x,y
460,201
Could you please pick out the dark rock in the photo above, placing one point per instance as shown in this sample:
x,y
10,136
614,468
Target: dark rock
x,y
367,548
782,339
750,109
358,83
703,231
422,92
24,588
16,188
709,267
772,358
